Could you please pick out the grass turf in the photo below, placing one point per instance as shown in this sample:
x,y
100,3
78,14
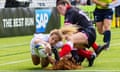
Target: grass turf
x,y
15,54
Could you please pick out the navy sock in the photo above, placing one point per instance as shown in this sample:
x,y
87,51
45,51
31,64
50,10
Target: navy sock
x,y
37,46
75,56
107,36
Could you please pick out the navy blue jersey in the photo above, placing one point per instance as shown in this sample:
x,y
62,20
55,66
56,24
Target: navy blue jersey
x,y
78,17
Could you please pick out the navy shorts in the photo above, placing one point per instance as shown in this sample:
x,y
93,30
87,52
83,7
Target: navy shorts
x,y
91,34
101,14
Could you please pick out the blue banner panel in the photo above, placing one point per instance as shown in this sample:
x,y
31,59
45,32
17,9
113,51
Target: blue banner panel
x,y
42,17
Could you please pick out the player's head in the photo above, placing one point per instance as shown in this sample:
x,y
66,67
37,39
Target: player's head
x,y
55,36
62,6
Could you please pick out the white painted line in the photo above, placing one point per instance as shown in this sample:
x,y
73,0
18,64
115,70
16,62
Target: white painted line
x,y
13,45
108,61
13,62
115,44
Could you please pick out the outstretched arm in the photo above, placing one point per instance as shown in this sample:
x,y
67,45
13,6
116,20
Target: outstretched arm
x,y
55,51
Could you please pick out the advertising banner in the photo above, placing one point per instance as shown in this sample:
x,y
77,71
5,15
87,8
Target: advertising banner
x,y
26,21
42,18
16,21
46,20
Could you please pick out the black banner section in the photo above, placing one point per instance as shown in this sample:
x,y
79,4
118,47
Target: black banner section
x,y
54,21
21,21
16,21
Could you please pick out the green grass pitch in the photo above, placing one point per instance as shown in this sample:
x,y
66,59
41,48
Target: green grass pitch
x,y
15,54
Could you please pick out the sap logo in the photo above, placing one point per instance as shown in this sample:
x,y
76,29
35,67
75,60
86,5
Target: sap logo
x,y
42,18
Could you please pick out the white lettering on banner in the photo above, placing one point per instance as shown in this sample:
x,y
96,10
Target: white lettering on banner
x,y
42,20
7,22
18,22
29,21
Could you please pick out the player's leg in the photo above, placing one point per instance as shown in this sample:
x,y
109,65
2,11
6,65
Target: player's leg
x,y
99,26
34,56
107,33
78,58
87,54
91,40
107,28
44,62
35,59
98,16
66,49
80,39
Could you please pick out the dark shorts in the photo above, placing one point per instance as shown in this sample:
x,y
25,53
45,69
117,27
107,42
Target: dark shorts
x,y
117,11
91,34
101,14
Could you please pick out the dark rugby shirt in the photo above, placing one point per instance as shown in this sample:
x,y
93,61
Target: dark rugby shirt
x,y
78,17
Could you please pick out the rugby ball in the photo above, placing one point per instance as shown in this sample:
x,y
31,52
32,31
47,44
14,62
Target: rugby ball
x,y
41,53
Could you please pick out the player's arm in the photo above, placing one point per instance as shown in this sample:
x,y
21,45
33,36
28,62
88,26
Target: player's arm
x,y
69,18
100,3
55,50
39,42
56,54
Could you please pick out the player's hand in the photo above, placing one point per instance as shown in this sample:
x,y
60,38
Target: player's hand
x,y
48,48
51,60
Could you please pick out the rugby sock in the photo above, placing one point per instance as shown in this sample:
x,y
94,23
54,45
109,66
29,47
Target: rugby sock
x,y
85,53
37,46
95,46
65,50
107,36
75,55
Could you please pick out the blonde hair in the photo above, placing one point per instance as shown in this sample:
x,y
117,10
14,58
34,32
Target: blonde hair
x,y
58,33
69,29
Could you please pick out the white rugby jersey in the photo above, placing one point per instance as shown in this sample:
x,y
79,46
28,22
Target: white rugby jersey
x,y
44,37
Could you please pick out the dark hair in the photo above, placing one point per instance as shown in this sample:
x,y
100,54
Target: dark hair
x,y
63,2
